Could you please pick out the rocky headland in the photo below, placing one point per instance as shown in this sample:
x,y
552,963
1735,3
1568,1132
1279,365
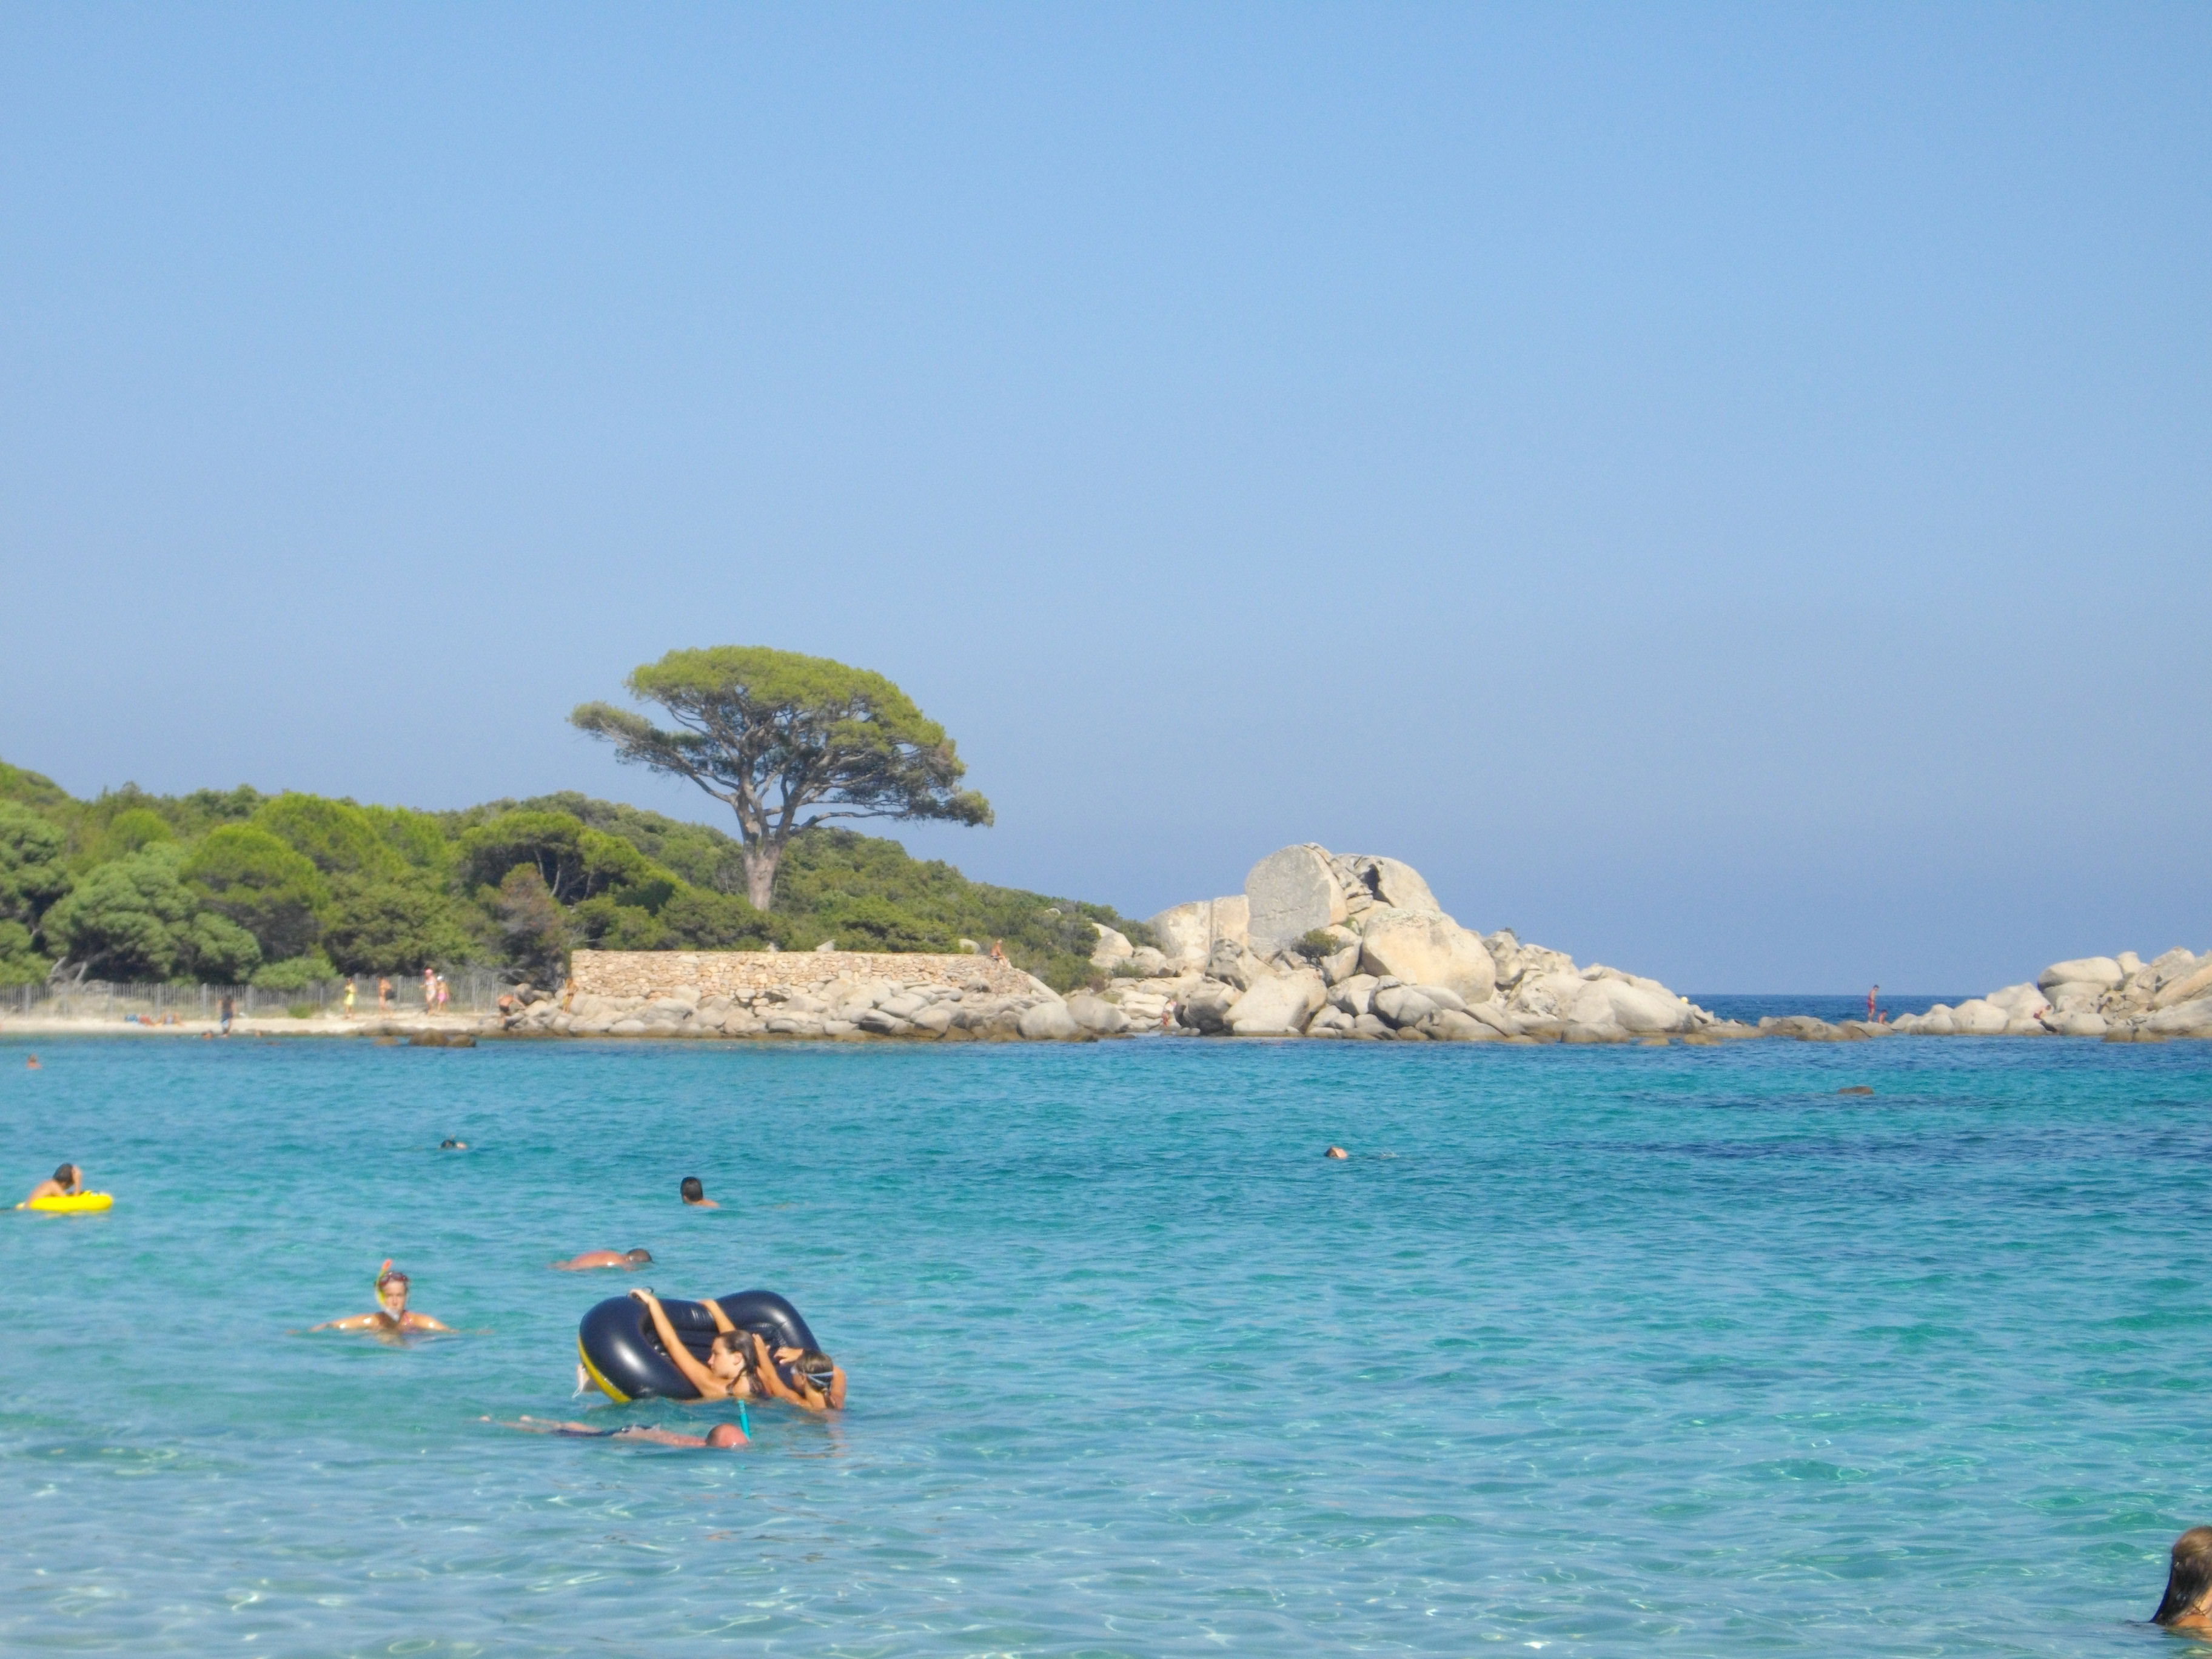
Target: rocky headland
x,y
1354,947
2121,999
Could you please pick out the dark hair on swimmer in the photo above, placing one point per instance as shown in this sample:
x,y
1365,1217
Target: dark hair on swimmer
x,y
640,1257
2188,1576
66,1174
734,1342
691,1188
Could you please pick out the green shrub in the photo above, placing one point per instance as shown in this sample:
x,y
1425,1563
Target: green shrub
x,y
302,1010
294,974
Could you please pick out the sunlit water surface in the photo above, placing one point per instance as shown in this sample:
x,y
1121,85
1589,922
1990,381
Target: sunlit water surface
x,y
1583,1352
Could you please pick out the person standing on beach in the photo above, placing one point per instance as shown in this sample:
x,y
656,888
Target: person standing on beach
x,y
443,993
383,994
430,991
1872,997
229,1011
349,999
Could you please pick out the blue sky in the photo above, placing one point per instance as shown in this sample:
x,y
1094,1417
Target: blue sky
x,y
1723,489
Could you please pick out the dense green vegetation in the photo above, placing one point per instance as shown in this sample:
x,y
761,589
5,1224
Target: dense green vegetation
x,y
221,886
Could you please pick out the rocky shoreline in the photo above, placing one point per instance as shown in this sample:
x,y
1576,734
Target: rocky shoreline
x,y
1320,945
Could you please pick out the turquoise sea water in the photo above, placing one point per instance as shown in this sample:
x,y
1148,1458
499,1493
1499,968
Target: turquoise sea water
x,y
1585,1351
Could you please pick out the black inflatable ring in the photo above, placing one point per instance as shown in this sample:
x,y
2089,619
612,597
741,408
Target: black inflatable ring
x,y
621,1352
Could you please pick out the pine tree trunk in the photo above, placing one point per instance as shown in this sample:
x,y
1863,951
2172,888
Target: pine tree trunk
x,y
761,860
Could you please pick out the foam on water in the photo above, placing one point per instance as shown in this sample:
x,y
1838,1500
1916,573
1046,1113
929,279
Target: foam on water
x,y
1592,1351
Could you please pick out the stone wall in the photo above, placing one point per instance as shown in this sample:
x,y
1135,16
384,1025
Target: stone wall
x,y
734,973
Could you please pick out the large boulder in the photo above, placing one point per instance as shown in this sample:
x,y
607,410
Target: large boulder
x,y
1290,893
1232,964
2195,1015
1205,1008
2020,1001
1401,1004
1449,1025
1049,1021
1279,1006
1369,881
1979,1016
1188,933
1426,950
1095,1014
2186,988
1355,995
2092,970
1114,947
1645,1010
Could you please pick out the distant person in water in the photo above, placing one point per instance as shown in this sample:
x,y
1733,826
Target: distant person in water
x,y
65,1183
2188,1602
1336,1151
696,1195
452,1145
591,1258
32,1065
723,1436
392,1291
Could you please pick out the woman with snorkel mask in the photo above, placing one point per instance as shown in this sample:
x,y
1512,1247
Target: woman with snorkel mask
x,y
392,1314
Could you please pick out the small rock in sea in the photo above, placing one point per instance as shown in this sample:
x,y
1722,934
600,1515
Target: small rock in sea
x,y
1855,1089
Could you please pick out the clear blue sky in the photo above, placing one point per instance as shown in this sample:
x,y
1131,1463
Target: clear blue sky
x,y
1721,489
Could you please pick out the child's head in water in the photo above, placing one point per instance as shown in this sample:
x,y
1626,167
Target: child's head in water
x,y
2188,1583
692,1190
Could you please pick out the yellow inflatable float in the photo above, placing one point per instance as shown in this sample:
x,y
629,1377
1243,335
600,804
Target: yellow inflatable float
x,y
70,1203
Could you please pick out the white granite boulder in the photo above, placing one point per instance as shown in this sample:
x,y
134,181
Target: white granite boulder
x,y
1421,949
1114,947
1279,1006
1049,1021
1188,932
1290,893
2079,970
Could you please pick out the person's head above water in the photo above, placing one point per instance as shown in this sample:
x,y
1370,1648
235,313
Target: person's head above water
x,y
731,1355
638,1258
723,1436
67,1174
693,1193
2188,1583
452,1145
392,1289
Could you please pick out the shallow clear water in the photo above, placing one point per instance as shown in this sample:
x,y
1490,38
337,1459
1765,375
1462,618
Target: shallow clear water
x,y
1588,1351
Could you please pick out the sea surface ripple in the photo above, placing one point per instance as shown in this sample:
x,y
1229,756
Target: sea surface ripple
x,y
1587,1351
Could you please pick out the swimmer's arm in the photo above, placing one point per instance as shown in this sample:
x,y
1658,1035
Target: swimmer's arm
x,y
709,1386
771,1377
836,1388
423,1323
722,1320
350,1322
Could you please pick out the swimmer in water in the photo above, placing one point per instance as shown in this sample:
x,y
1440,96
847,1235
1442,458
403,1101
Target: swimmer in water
x,y
696,1195
1336,1151
723,1436
65,1183
591,1258
729,1372
452,1145
32,1065
392,1316
2188,1603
